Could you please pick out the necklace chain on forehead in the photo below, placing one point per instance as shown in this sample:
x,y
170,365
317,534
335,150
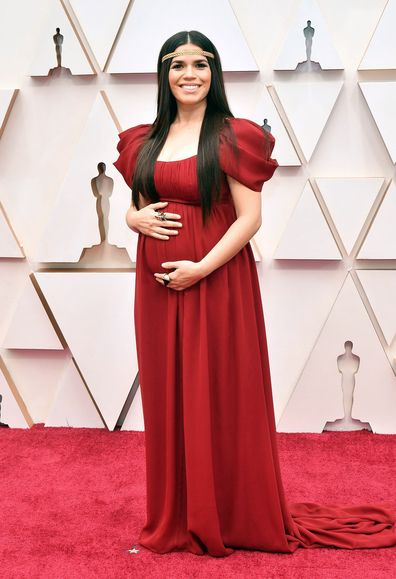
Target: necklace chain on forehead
x,y
187,51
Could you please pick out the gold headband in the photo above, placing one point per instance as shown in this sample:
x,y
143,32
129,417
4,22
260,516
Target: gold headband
x,y
181,52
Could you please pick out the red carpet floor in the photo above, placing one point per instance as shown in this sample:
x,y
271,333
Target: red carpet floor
x,y
73,502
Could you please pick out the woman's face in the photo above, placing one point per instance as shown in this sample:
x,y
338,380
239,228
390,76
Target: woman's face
x,y
189,76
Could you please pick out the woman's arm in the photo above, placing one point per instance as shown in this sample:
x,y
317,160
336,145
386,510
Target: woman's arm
x,y
248,210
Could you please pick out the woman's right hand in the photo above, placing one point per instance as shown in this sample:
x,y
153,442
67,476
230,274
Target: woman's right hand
x,y
144,221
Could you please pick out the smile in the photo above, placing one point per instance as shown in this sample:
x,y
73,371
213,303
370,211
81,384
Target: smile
x,y
190,87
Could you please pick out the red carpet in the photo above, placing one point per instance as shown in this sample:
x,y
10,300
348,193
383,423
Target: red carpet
x,y
72,504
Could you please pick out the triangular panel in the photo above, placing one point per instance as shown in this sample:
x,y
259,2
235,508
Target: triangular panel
x,y
297,302
308,106
100,20
308,42
12,413
95,314
214,19
73,58
307,235
380,242
317,397
7,99
142,93
266,115
380,288
73,405
134,420
381,100
381,52
80,210
30,327
349,202
9,246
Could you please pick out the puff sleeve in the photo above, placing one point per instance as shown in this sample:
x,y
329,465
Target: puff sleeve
x,y
252,165
128,147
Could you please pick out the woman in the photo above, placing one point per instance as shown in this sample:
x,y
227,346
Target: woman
x,y
213,476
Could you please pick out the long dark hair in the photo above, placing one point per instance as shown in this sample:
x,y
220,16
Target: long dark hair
x,y
217,110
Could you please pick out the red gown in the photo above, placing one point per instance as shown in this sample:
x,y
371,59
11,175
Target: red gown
x,y
212,470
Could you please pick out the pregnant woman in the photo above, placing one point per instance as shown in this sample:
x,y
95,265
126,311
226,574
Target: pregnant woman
x,y
213,476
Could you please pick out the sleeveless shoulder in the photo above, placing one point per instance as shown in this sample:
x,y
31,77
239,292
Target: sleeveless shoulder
x,y
128,147
251,163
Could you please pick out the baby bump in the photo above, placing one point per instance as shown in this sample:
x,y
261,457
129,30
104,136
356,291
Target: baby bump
x,y
193,240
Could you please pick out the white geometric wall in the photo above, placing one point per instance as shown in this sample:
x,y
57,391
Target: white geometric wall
x,y
326,250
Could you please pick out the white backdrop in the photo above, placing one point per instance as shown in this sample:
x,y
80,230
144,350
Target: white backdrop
x,y
326,250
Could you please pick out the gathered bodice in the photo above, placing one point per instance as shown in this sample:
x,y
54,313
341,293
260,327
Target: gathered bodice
x,y
177,181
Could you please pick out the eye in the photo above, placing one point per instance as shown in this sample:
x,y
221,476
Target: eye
x,y
176,65
202,65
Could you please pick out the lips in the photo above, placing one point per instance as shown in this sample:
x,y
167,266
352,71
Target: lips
x,y
190,87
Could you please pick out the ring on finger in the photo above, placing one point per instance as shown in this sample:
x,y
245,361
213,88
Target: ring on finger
x,y
166,278
160,215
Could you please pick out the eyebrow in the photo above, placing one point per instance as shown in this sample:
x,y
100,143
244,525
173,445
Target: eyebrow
x,y
181,60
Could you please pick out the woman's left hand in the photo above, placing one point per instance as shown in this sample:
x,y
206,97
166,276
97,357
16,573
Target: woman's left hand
x,y
185,274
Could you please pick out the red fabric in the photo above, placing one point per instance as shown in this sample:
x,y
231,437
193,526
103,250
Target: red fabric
x,y
128,147
254,165
212,469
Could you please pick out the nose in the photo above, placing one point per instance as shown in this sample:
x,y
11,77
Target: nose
x,y
189,71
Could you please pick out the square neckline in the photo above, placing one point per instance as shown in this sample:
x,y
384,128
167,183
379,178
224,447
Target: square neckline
x,y
177,160
185,158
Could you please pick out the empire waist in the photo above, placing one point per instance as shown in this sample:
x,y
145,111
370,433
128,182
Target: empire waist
x,y
192,202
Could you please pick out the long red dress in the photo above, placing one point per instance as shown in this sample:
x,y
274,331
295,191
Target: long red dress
x,y
213,476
